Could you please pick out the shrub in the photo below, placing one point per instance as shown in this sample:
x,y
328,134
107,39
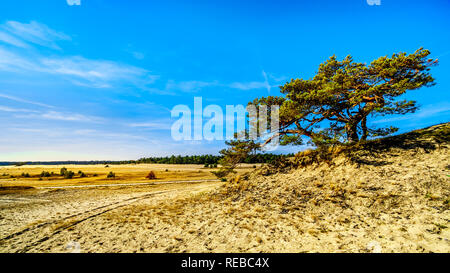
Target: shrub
x,y
111,175
25,175
63,171
236,179
151,175
223,179
222,172
69,174
45,174
167,170
206,165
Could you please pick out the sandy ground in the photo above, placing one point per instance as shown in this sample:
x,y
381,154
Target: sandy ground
x,y
394,200
34,212
31,220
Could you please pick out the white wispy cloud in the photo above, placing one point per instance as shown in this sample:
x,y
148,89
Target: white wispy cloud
x,y
10,39
9,97
14,110
33,32
97,73
193,86
76,69
68,117
79,70
189,86
248,85
277,78
61,116
152,125
266,81
48,113
13,62
253,85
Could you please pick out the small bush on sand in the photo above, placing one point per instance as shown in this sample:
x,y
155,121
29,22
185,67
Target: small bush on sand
x,y
111,175
81,174
151,175
69,174
63,171
222,172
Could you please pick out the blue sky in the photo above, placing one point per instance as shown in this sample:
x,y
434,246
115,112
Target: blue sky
x,y
98,81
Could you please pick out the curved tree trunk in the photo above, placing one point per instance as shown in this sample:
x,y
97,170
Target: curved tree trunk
x,y
352,132
365,131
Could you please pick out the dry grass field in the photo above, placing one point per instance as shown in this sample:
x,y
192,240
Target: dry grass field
x,y
97,174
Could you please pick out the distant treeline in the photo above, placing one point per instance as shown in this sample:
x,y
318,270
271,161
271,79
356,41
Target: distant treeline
x,y
208,159
60,163
193,159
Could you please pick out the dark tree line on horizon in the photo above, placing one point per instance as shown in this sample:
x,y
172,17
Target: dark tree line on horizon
x,y
193,159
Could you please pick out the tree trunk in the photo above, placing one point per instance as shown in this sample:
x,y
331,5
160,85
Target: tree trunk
x,y
365,131
352,132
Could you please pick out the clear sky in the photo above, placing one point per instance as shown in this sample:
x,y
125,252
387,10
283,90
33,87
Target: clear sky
x,y
98,80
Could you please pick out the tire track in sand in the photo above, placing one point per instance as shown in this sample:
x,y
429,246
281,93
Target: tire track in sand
x,y
79,218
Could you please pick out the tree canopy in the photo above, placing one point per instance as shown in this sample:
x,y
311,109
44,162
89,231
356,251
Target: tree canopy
x,y
335,105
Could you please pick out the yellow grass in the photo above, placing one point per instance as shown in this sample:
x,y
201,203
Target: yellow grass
x,y
130,173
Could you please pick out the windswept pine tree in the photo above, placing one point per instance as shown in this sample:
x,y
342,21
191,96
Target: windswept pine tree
x,y
335,106
337,103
